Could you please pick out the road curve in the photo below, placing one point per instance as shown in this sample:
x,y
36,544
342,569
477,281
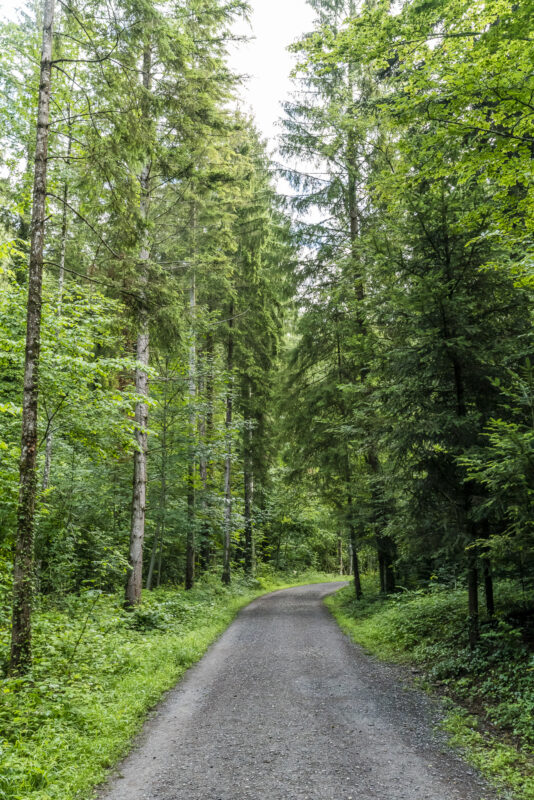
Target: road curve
x,y
285,707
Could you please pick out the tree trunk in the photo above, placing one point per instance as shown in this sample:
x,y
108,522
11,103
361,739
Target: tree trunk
x,y
21,633
381,572
153,556
248,476
137,531
60,286
226,573
472,555
340,554
488,588
160,528
472,591
385,548
249,540
190,543
488,577
206,464
48,461
355,564
137,535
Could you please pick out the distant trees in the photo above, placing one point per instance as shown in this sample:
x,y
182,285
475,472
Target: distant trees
x,y
407,121
348,387
155,186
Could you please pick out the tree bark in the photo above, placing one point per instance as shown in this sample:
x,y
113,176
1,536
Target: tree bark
x,y
226,573
137,531
190,543
48,461
60,287
386,558
487,573
355,563
137,535
21,632
340,564
488,588
160,528
206,461
248,477
472,591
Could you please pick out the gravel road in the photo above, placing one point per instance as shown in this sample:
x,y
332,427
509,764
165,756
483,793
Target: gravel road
x,y
285,707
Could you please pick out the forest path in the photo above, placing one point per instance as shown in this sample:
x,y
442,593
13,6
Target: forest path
x,y
285,707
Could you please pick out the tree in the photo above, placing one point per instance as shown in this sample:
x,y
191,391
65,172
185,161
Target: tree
x,y
23,568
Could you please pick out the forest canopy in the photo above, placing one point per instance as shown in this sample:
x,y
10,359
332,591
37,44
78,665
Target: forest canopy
x,y
340,380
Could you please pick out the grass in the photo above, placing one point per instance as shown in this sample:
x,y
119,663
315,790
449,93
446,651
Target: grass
x,y
97,671
489,692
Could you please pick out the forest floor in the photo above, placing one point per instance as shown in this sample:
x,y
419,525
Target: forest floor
x,y
285,707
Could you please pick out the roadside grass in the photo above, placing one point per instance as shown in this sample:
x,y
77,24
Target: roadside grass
x,y
489,692
97,671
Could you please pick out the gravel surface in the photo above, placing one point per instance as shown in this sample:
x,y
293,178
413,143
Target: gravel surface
x,y
285,707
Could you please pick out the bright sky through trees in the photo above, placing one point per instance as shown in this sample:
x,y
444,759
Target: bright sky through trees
x,y
274,24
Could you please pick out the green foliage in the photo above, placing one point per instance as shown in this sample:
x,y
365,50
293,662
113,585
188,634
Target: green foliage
x,y
507,769
496,680
97,670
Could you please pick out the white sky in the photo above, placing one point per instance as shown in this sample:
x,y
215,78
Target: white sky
x,y
274,25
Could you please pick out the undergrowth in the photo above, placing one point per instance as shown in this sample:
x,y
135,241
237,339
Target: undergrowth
x,y
490,690
97,670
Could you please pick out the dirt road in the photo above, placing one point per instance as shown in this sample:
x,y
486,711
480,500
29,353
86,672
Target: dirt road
x,y
284,707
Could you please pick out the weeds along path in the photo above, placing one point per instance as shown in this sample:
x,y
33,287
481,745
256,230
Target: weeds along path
x,y
284,707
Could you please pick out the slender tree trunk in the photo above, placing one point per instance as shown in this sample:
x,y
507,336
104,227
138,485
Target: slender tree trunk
x,y
488,588
381,572
385,548
48,461
160,528
137,531
226,574
137,536
61,284
190,543
487,574
352,533
206,465
64,222
203,472
160,559
153,556
353,538
249,537
341,566
472,591
355,563
21,632
248,476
